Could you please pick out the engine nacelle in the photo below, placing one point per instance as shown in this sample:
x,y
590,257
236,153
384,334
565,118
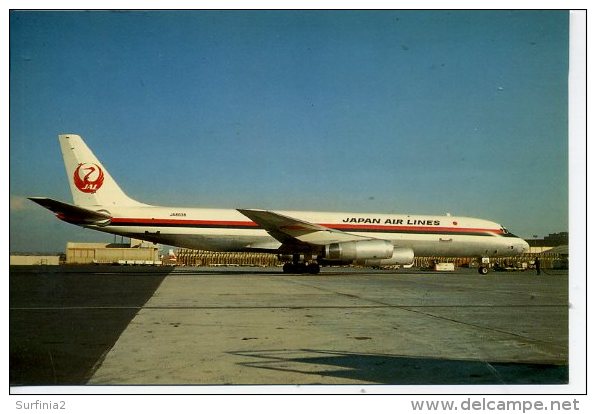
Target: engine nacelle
x,y
401,256
359,250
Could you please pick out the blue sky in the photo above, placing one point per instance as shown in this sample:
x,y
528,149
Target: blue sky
x,y
374,111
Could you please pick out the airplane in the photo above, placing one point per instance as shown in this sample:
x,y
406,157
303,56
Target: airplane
x,y
304,240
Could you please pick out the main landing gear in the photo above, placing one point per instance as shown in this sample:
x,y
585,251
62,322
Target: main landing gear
x,y
312,268
300,263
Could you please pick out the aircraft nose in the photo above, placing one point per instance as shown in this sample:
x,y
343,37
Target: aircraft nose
x,y
523,246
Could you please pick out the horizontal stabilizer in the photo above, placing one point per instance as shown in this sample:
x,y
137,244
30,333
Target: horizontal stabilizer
x,y
73,214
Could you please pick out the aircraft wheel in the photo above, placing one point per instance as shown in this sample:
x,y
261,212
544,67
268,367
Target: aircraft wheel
x,y
483,270
300,268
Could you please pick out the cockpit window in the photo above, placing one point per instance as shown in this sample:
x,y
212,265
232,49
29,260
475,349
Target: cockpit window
x,y
505,231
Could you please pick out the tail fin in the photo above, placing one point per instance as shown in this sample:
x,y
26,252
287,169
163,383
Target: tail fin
x,y
90,183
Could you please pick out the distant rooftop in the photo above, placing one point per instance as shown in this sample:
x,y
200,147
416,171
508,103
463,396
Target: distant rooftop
x,y
552,240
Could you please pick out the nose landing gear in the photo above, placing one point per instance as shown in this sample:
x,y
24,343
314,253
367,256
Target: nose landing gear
x,y
484,266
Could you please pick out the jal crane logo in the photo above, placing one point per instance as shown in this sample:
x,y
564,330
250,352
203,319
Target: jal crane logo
x,y
88,178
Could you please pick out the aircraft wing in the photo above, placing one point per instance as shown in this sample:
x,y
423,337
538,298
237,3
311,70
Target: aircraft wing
x,y
289,230
72,213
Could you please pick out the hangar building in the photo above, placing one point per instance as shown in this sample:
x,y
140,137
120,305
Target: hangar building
x,y
112,253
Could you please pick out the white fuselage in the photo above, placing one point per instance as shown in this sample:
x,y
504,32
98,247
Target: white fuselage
x,y
229,230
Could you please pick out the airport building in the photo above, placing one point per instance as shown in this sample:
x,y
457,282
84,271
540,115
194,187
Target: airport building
x,y
135,253
550,242
34,260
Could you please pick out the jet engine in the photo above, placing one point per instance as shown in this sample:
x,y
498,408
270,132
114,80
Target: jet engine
x,y
359,250
401,256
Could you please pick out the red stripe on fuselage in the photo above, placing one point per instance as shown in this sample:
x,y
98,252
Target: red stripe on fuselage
x,y
344,227
178,222
355,227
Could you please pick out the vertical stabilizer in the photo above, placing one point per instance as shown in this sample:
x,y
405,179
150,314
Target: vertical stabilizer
x,y
90,183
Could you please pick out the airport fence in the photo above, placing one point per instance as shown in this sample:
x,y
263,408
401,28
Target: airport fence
x,y
525,261
189,257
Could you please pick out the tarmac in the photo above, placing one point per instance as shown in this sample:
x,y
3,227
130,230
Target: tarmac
x,y
234,325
